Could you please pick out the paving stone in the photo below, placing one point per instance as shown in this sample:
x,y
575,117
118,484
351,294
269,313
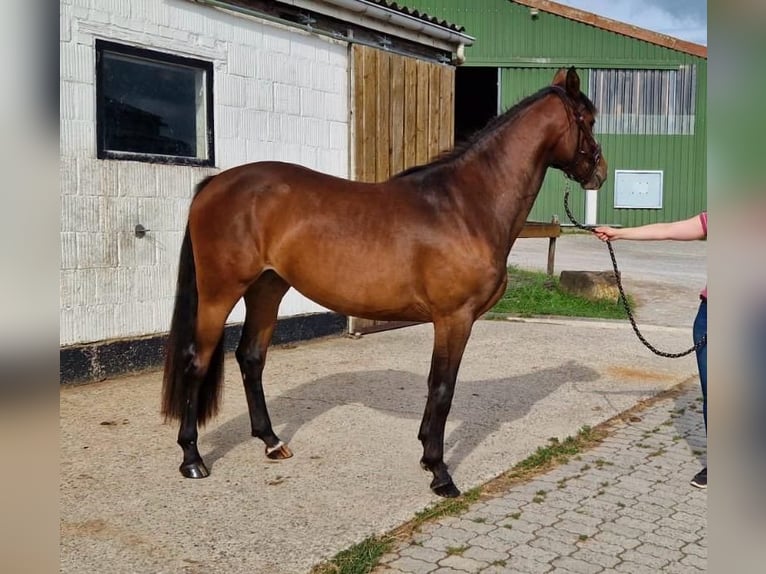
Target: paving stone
x,y
577,527
454,535
621,530
592,557
437,543
674,524
600,546
412,566
533,553
696,550
525,524
522,565
557,534
636,523
661,552
511,535
484,555
617,539
645,559
696,561
423,553
678,568
684,535
577,566
463,563
634,568
540,516
475,527
556,546
669,542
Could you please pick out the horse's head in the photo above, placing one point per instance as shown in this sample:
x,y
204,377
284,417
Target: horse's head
x,y
577,152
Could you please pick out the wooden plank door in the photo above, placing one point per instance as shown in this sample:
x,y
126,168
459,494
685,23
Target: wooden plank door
x,y
403,114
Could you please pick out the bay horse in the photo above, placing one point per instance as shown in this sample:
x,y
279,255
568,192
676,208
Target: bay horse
x,y
428,245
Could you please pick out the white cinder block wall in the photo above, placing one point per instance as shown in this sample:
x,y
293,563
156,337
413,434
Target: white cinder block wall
x,y
279,94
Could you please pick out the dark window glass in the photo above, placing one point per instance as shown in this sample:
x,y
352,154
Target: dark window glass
x,y
153,106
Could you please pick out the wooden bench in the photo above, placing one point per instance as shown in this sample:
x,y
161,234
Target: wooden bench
x,y
550,230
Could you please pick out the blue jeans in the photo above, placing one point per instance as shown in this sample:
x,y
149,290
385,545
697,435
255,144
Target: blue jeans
x,y
699,331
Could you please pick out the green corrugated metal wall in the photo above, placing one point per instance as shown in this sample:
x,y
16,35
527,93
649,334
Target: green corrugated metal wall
x,y
529,51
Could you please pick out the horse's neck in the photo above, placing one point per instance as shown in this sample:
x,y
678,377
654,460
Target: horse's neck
x,y
508,173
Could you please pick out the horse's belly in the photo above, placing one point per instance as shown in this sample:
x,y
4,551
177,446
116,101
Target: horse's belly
x,y
381,300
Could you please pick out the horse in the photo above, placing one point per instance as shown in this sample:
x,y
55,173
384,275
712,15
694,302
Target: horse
x,y
430,244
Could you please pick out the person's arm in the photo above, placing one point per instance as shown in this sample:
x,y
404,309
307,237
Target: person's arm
x,y
685,230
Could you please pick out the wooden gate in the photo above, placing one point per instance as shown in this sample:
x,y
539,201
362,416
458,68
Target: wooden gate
x,y
403,114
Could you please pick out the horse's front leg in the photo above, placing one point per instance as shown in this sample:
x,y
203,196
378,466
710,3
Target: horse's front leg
x,y
450,338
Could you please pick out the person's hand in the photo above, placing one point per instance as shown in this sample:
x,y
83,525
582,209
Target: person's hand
x,y
606,233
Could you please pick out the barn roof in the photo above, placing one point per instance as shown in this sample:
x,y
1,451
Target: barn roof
x,y
398,7
616,26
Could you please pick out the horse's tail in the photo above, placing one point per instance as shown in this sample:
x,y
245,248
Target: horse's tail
x,y
180,347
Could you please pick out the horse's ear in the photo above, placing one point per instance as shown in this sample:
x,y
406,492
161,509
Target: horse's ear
x,y
560,78
572,83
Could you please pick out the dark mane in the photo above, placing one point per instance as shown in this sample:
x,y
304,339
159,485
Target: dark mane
x,y
487,132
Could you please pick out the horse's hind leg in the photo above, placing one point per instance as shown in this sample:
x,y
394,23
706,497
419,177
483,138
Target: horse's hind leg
x,y
262,301
450,338
203,374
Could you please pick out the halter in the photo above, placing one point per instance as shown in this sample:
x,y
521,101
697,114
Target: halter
x,y
569,168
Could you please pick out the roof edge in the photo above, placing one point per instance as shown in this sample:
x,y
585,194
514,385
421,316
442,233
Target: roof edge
x,y
616,26
391,13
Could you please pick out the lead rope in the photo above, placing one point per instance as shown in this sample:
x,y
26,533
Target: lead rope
x,y
698,345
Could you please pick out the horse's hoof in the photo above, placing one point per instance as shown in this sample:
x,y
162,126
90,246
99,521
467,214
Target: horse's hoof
x,y
194,470
447,490
279,452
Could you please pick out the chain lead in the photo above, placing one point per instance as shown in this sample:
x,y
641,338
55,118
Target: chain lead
x,y
698,345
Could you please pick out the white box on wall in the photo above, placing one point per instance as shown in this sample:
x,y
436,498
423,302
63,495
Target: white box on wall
x,y
638,189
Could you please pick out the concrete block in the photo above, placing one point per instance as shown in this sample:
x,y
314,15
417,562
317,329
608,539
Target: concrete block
x,y
259,94
77,62
136,179
96,250
80,213
77,138
68,176
65,22
230,90
287,99
134,251
244,60
593,285
174,181
228,121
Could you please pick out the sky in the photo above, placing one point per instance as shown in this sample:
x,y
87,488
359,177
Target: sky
x,y
684,19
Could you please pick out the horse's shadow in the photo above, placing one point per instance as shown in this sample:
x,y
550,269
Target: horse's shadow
x,y
479,407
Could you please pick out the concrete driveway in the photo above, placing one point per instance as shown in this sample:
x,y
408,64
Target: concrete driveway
x,y
350,409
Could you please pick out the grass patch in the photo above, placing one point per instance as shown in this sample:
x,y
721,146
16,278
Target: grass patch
x,y
531,293
359,559
447,507
557,452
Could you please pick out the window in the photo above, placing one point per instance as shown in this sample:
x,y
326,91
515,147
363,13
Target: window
x,y
153,106
656,102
